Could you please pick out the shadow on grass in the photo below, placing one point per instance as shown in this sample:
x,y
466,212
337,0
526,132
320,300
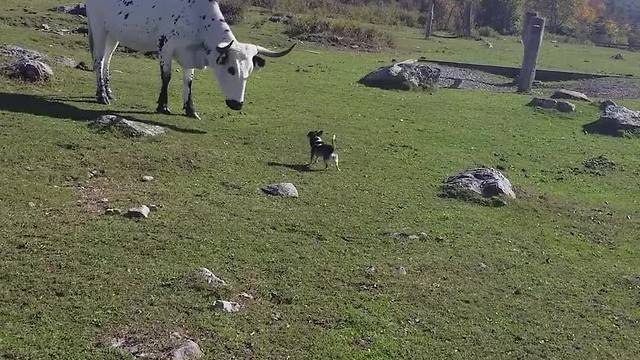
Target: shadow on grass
x,y
296,167
51,107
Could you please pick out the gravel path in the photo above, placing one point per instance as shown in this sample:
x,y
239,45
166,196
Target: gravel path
x,y
604,88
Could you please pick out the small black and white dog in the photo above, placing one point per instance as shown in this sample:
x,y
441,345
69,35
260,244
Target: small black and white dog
x,y
320,149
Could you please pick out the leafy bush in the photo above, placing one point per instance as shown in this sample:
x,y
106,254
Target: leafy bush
x,y
233,10
487,31
340,33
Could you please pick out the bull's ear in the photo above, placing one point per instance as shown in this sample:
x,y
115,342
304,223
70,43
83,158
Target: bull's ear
x,y
258,61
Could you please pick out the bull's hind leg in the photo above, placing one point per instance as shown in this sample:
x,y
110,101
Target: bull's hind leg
x,y
99,40
110,48
165,75
187,95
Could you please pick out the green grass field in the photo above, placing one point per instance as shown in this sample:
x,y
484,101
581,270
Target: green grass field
x,y
553,275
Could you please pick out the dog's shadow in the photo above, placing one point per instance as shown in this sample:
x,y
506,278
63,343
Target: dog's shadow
x,y
296,167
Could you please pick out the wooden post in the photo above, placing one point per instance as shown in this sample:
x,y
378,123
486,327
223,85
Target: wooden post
x,y
429,20
526,23
468,18
532,45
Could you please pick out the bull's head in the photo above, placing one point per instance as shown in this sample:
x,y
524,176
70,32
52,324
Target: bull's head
x,y
233,62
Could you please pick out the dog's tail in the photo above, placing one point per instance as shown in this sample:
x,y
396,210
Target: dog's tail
x,y
333,141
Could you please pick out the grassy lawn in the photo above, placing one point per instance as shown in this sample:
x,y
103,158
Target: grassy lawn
x,y
545,277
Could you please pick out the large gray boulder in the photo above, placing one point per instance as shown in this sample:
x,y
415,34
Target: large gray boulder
x,y
128,127
30,70
406,75
616,121
17,52
186,351
487,182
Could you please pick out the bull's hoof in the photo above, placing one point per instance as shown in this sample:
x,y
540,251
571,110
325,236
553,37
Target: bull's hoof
x,y
189,112
163,109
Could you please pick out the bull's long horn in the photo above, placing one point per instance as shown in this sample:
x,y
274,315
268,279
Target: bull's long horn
x,y
222,49
269,53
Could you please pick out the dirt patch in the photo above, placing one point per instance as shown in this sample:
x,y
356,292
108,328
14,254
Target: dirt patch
x,y
153,343
463,78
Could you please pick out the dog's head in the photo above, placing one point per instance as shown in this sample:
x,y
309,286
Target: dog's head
x,y
313,134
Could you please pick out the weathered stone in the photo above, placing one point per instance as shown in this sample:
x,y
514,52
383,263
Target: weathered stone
x,y
406,75
79,9
565,106
31,70
617,56
570,94
616,121
147,178
607,103
141,212
227,306
16,52
246,296
188,350
487,182
281,189
128,127
543,103
204,277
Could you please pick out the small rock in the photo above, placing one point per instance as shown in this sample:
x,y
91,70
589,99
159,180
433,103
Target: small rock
x,y
401,270
147,178
246,296
104,200
281,189
482,265
209,277
607,103
32,204
188,350
569,94
83,66
423,235
45,27
227,306
565,106
617,56
370,270
141,212
543,103
413,237
113,211
79,9
128,127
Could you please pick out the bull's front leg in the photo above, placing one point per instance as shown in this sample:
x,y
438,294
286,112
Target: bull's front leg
x,y
187,94
165,75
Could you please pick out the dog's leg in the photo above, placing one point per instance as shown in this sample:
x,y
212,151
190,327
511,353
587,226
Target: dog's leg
x,y
311,159
336,162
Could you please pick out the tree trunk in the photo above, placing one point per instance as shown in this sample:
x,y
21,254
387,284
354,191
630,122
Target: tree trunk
x,y
468,19
429,19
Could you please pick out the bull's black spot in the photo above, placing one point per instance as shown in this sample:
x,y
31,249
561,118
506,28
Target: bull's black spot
x,y
161,42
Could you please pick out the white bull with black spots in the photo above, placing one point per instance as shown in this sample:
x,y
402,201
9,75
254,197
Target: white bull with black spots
x,y
193,32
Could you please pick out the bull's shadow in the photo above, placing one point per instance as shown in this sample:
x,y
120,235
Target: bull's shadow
x,y
52,107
